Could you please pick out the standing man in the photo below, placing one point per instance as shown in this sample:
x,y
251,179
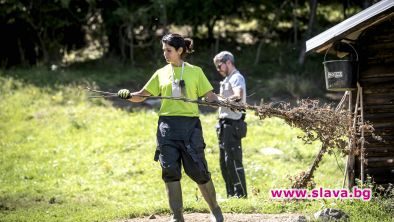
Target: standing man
x,y
231,127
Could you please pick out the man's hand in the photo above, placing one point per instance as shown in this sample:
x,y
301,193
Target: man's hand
x,y
124,94
230,99
234,99
221,99
211,97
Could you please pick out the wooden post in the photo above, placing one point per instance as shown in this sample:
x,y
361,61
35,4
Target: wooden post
x,y
360,89
351,157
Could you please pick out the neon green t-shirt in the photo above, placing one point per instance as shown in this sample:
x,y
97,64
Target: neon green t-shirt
x,y
196,83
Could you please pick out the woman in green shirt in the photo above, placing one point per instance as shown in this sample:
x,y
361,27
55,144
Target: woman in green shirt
x,y
179,133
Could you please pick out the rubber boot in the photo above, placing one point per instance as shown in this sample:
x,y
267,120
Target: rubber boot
x,y
174,193
209,194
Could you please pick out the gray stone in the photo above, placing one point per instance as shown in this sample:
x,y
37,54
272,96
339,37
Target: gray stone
x,y
330,214
300,218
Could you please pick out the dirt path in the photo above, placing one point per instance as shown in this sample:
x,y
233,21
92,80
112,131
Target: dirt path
x,y
202,217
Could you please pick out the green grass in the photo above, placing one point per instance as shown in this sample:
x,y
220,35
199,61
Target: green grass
x,y
65,157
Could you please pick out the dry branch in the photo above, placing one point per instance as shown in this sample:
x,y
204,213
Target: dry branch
x,y
334,128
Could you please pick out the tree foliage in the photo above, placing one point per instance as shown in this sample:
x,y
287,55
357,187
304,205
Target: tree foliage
x,y
37,31
41,32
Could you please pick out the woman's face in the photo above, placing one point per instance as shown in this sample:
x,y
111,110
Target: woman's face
x,y
172,55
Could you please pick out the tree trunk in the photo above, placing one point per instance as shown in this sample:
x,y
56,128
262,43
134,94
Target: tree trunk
x,y
130,36
258,52
217,41
165,22
345,4
121,44
312,15
295,23
44,49
261,40
210,26
21,53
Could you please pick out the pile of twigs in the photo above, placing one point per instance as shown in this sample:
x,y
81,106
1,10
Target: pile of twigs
x,y
324,123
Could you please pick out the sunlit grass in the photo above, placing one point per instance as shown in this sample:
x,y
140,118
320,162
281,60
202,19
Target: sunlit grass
x,y
67,158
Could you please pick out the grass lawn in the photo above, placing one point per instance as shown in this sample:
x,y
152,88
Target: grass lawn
x,y
65,157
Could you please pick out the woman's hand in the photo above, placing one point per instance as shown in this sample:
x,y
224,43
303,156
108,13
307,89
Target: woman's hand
x,y
124,94
135,97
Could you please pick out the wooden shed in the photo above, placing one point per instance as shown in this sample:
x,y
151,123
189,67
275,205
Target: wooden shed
x,y
371,34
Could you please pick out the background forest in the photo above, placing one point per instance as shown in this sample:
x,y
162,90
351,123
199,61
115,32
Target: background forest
x,y
67,157
118,41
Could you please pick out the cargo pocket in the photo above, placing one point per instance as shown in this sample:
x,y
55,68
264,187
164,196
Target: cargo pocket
x,y
241,129
197,140
237,153
157,153
196,149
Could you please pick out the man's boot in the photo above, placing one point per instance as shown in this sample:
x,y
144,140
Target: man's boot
x,y
174,193
209,194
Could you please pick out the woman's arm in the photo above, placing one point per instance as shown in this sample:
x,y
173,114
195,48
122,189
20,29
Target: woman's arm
x,y
135,96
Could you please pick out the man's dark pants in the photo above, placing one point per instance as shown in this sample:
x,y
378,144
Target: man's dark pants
x,y
231,158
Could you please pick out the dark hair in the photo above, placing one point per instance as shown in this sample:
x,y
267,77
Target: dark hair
x,y
177,41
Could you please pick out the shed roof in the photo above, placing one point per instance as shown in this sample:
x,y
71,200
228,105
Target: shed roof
x,y
353,26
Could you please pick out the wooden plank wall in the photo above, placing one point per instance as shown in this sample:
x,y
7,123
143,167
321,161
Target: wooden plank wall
x,y
376,75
